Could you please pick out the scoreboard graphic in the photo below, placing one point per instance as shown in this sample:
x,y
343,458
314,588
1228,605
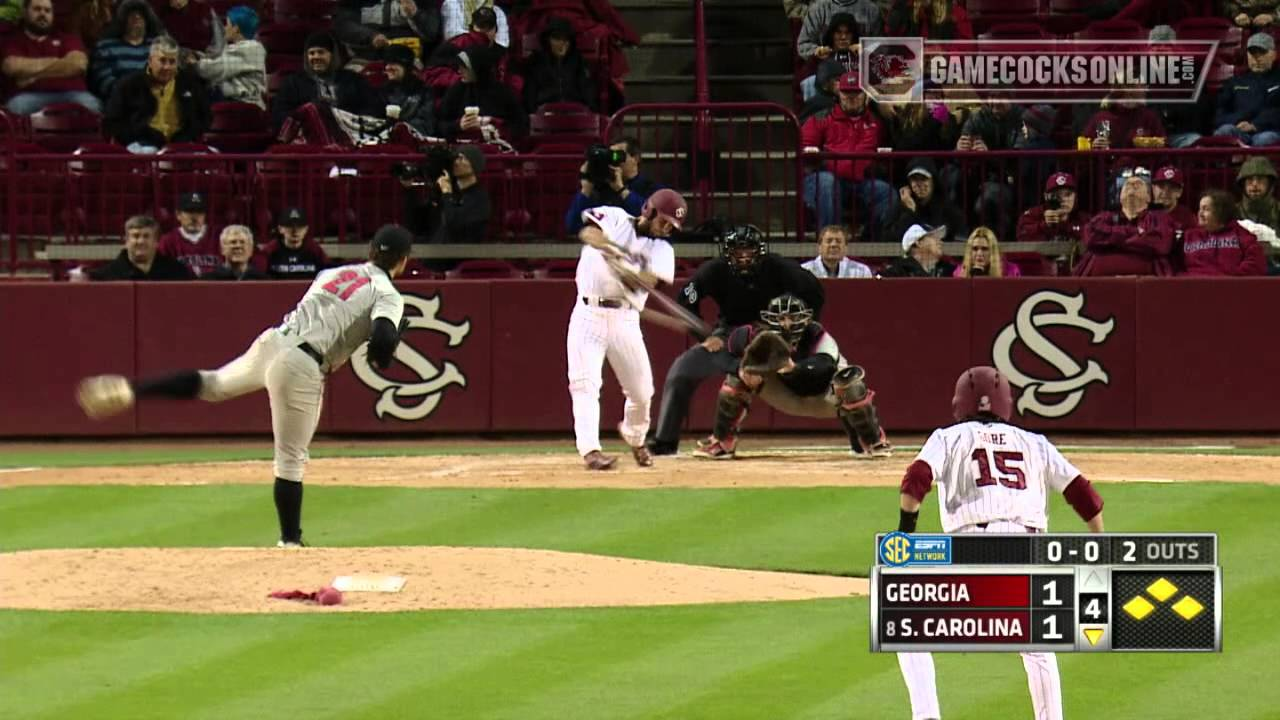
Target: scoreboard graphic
x,y
1046,593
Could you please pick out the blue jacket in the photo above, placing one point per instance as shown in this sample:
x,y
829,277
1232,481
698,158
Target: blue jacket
x,y
1254,97
640,186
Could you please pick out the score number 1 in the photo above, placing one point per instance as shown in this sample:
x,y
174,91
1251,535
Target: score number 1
x,y
1051,599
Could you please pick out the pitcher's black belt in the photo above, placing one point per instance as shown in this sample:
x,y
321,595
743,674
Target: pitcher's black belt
x,y
315,354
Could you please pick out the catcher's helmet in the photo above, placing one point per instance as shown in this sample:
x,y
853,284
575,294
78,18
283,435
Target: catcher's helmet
x,y
667,203
742,246
982,390
788,316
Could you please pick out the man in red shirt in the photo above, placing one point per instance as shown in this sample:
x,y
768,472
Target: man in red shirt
x,y
1131,241
1167,188
850,126
193,242
41,66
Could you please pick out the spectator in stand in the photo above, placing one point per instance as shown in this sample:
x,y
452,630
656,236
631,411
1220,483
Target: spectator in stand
x,y
322,78
407,98
1167,188
1183,122
443,69
982,257
479,98
1251,13
833,242
917,127
159,104
139,259
810,43
923,255
189,22
124,47
839,44
1037,134
456,14
296,255
1132,240
453,208
931,19
556,71
90,20
1257,181
850,126
236,243
824,97
1124,121
1219,245
629,189
239,74
193,242
995,125
1249,104
922,204
43,66
369,27
1058,219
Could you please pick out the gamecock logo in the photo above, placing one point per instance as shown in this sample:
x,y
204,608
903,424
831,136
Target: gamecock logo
x,y
414,400
1070,387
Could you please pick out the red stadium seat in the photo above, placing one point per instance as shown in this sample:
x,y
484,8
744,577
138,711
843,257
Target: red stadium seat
x,y
286,38
63,127
305,10
14,127
485,270
1229,36
106,192
1015,31
555,180
40,199
239,128
1113,30
565,119
559,269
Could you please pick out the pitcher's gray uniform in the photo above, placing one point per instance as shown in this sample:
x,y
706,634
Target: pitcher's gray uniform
x,y
339,313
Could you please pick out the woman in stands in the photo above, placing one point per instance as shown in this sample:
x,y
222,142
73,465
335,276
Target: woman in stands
x,y
1220,245
239,74
931,19
982,257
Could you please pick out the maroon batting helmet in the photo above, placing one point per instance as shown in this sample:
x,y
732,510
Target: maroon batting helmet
x,y
982,390
667,203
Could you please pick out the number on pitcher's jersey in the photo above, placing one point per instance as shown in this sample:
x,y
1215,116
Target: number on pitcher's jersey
x,y
992,471
336,314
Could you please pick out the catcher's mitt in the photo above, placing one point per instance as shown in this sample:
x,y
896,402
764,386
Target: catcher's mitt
x,y
768,352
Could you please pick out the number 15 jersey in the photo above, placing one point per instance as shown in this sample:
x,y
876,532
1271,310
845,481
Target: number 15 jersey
x,y
336,314
988,471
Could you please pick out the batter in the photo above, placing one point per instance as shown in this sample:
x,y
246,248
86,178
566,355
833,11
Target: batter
x,y
345,307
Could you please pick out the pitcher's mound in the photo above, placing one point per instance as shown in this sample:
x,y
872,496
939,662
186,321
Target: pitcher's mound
x,y
238,580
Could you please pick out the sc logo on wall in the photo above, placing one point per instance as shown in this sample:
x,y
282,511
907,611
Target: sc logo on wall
x,y
414,400
1051,397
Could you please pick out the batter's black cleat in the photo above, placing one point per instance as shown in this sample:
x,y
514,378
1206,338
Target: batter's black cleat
x,y
596,460
657,447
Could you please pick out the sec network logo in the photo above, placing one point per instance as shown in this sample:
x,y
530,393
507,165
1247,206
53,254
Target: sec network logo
x,y
898,549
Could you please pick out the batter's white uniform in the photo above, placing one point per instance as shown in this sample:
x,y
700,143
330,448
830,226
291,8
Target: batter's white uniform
x,y
334,317
992,478
598,333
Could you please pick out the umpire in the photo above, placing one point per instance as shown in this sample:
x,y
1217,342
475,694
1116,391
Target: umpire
x,y
742,281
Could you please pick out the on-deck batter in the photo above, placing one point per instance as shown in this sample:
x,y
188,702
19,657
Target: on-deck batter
x,y
605,322
992,478
342,309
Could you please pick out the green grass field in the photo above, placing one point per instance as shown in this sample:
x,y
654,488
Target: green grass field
x,y
764,660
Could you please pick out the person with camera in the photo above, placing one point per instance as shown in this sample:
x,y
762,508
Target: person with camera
x,y
610,176
444,199
1058,219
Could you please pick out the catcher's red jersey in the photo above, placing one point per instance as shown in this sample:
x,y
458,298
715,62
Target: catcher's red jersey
x,y
987,471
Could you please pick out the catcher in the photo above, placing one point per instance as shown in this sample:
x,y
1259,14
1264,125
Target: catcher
x,y
793,364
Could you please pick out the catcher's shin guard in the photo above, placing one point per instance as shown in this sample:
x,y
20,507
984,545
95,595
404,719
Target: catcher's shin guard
x,y
731,408
857,410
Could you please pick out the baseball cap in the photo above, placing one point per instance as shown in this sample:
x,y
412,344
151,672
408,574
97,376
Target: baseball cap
x,y
1060,180
1169,174
1261,40
849,82
293,217
393,239
915,232
192,202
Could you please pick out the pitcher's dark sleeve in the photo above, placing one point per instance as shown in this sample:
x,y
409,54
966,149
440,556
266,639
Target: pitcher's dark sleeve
x,y
382,342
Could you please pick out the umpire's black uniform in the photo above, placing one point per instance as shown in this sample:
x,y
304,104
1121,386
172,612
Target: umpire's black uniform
x,y
741,298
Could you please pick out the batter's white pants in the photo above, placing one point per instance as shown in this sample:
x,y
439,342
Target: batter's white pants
x,y
295,388
597,334
1042,668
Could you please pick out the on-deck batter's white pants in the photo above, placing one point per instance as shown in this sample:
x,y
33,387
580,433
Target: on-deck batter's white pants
x,y
597,334
1042,668
295,387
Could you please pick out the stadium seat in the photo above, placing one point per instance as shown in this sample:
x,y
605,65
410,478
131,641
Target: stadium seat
x,y
14,127
63,127
39,200
285,38
554,182
303,10
485,270
1229,36
1015,31
558,269
1032,264
191,167
106,191
1112,30
239,128
565,119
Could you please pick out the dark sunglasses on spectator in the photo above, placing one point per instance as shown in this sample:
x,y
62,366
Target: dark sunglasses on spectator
x,y
1139,171
1258,51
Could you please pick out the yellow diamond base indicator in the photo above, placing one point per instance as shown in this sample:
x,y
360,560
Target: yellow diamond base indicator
x,y
1162,589
1187,608
1138,607
1094,635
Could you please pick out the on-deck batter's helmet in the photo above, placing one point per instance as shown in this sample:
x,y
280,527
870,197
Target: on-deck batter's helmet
x,y
667,203
982,390
740,238
788,316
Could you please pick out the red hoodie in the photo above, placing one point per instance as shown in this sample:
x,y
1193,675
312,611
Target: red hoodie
x,y
834,131
1230,250
1116,245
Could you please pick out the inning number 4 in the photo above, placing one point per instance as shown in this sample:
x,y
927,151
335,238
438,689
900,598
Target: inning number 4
x,y
346,284
1008,464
